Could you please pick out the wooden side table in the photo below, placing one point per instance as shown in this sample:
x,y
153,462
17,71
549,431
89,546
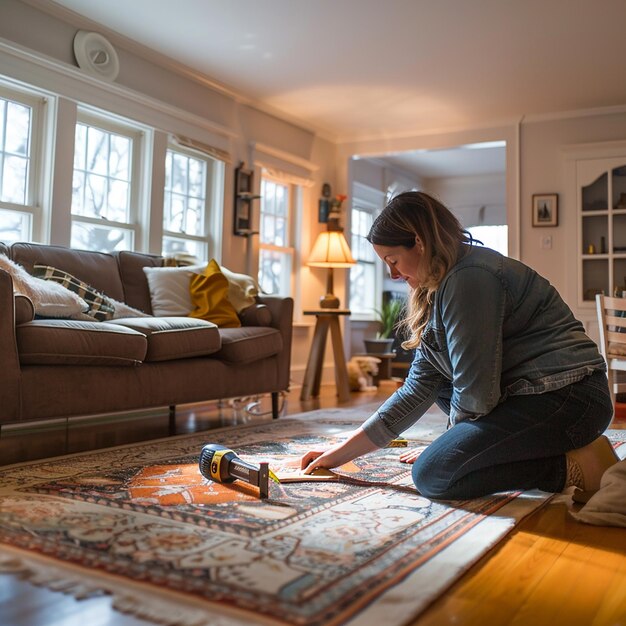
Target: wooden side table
x,y
326,319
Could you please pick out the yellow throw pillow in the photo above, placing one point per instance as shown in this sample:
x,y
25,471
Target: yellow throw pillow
x,y
209,296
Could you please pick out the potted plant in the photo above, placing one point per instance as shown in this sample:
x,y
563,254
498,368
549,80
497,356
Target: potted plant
x,y
387,317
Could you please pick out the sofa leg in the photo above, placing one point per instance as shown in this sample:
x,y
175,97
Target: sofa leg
x,y
172,428
275,405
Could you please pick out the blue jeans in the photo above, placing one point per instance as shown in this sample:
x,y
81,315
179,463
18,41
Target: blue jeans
x,y
521,444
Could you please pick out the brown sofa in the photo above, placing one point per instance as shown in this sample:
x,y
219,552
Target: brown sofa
x,y
59,368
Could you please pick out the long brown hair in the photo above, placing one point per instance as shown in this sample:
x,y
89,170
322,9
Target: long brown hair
x,y
411,214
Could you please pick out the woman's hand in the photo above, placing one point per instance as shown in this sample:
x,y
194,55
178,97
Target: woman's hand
x,y
357,444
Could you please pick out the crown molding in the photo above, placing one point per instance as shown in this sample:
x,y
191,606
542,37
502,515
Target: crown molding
x,y
49,72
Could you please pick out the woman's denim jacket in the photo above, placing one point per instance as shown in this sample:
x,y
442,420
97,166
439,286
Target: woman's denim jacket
x,y
496,328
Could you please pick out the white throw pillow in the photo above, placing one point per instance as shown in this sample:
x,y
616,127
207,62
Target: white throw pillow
x,y
50,299
170,295
242,289
169,289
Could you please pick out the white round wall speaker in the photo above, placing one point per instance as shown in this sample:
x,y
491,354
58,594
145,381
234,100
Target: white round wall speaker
x,y
96,55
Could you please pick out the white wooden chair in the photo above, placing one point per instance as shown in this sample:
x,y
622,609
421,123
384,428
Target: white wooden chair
x,y
612,325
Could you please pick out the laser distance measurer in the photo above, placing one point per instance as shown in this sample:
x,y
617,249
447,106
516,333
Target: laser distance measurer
x,y
222,465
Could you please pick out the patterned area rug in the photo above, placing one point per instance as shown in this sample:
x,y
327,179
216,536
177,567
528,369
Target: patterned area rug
x,y
141,523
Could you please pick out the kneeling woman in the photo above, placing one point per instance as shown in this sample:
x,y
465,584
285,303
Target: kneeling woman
x,y
500,352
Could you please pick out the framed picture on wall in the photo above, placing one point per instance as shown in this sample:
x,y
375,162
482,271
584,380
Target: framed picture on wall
x,y
545,209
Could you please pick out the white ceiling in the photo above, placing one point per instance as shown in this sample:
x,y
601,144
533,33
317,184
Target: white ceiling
x,y
379,68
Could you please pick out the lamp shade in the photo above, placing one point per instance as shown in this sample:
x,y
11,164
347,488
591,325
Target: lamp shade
x,y
331,250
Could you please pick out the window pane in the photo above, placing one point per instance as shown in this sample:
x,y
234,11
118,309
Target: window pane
x,y
494,237
119,157
197,172
195,212
118,201
14,226
80,147
362,295
274,225
361,223
14,179
3,114
280,235
97,150
17,129
102,174
175,245
274,272
185,194
100,238
177,213
15,138
95,191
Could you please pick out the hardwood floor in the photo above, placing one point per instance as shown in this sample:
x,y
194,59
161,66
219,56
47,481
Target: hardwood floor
x,y
550,571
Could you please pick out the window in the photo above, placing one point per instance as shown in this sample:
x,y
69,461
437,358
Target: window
x,y
105,185
363,275
276,251
494,237
188,187
18,147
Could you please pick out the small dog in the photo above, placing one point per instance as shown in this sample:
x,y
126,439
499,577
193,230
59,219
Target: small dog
x,y
361,372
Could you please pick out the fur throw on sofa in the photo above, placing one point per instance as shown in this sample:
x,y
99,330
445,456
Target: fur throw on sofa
x,y
49,299
52,299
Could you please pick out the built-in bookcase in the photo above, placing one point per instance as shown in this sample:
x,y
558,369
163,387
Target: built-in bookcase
x,y
601,191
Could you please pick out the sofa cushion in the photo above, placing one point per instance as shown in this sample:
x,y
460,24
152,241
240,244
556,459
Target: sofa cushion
x,y
175,337
100,307
131,264
247,344
209,296
69,342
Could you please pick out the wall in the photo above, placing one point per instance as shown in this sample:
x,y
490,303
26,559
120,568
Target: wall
x,y
475,200
544,144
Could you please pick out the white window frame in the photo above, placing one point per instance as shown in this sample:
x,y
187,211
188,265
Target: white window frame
x,y
210,239
294,202
137,134
37,152
372,201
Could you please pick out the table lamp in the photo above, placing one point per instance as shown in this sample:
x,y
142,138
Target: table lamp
x,y
330,250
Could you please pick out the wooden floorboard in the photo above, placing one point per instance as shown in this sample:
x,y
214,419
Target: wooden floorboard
x,y
550,571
